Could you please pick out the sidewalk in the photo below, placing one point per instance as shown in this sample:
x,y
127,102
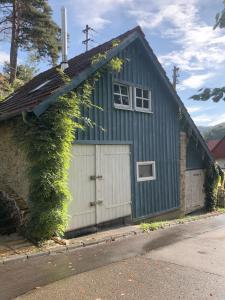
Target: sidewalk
x,y
15,247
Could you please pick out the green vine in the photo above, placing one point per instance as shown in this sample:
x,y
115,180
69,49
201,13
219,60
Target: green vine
x,y
212,178
47,142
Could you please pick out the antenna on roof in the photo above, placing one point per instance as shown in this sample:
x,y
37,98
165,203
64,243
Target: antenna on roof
x,y
176,75
64,63
87,39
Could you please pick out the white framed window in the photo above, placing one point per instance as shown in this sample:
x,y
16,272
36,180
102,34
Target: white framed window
x,y
122,96
142,99
146,171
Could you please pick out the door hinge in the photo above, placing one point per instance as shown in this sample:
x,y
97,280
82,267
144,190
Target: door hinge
x,y
95,177
94,203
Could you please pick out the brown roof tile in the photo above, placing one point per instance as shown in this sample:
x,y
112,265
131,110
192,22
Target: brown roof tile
x,y
25,98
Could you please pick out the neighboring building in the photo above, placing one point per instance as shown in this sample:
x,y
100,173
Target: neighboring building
x,y
149,160
217,149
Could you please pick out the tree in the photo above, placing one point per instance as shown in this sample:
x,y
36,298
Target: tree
x,y
215,94
29,25
24,74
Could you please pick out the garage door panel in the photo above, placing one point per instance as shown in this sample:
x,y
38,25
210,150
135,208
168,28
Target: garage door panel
x,y
81,187
194,190
116,193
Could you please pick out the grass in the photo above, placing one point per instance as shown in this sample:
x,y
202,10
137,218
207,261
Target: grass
x,y
152,226
221,209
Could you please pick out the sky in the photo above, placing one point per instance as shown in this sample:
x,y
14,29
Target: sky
x,y
180,33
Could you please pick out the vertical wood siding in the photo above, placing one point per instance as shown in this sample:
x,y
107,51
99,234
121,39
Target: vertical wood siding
x,y
195,155
154,137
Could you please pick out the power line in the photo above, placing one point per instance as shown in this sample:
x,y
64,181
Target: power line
x,y
176,75
87,38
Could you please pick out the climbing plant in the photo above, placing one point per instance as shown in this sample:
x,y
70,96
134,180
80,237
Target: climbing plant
x,y
212,178
47,142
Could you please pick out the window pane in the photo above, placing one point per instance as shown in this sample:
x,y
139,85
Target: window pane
x,y
125,100
124,90
145,171
139,93
139,102
117,99
145,94
116,88
145,103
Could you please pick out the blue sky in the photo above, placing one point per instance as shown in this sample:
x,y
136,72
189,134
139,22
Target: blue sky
x,y
179,31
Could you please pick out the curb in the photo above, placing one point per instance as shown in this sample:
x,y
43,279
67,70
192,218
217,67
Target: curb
x,y
83,244
69,248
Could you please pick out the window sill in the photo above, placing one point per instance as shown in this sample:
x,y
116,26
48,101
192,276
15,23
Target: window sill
x,y
146,179
143,111
123,107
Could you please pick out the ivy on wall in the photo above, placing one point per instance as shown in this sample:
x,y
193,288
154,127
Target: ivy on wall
x,y
213,175
47,142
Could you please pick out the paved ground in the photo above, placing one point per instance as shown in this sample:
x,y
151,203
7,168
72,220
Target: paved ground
x,y
182,262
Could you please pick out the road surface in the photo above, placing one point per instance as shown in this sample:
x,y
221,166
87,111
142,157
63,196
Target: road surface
x,y
182,262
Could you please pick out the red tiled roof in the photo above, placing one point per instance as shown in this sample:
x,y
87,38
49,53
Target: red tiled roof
x,y
212,143
219,150
25,98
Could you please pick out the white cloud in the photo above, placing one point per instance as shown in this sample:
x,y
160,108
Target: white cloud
x,y
3,57
209,119
217,120
198,46
202,119
193,109
195,81
95,12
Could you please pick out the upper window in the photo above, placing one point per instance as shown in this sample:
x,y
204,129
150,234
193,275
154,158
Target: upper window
x,y
122,97
146,171
142,100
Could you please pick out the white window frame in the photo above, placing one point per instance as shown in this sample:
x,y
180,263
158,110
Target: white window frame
x,y
142,109
145,163
122,106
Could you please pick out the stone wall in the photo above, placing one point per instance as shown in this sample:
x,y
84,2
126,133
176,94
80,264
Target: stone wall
x,y
13,164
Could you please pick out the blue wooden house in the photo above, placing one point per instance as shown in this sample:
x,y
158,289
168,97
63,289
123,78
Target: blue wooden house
x,y
149,160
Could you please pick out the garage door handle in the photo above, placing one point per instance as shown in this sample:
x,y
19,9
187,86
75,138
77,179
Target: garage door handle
x,y
96,177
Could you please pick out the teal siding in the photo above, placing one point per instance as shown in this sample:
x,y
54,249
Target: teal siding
x,y
152,136
195,155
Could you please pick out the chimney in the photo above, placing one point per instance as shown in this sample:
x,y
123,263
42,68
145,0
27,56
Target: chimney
x,y
64,63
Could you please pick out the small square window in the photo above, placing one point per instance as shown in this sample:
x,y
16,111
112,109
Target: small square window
x,y
124,90
117,99
125,100
139,93
139,102
146,171
122,96
142,100
146,104
116,88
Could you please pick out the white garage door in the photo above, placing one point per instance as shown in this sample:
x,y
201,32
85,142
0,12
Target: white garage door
x,y
99,180
194,190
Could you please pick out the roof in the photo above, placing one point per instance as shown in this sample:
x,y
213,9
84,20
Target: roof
x,y
212,143
46,87
46,83
219,150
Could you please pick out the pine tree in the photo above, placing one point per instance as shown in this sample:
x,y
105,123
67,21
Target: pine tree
x,y
29,25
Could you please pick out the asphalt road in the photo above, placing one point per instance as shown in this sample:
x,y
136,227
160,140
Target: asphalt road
x,y
182,262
